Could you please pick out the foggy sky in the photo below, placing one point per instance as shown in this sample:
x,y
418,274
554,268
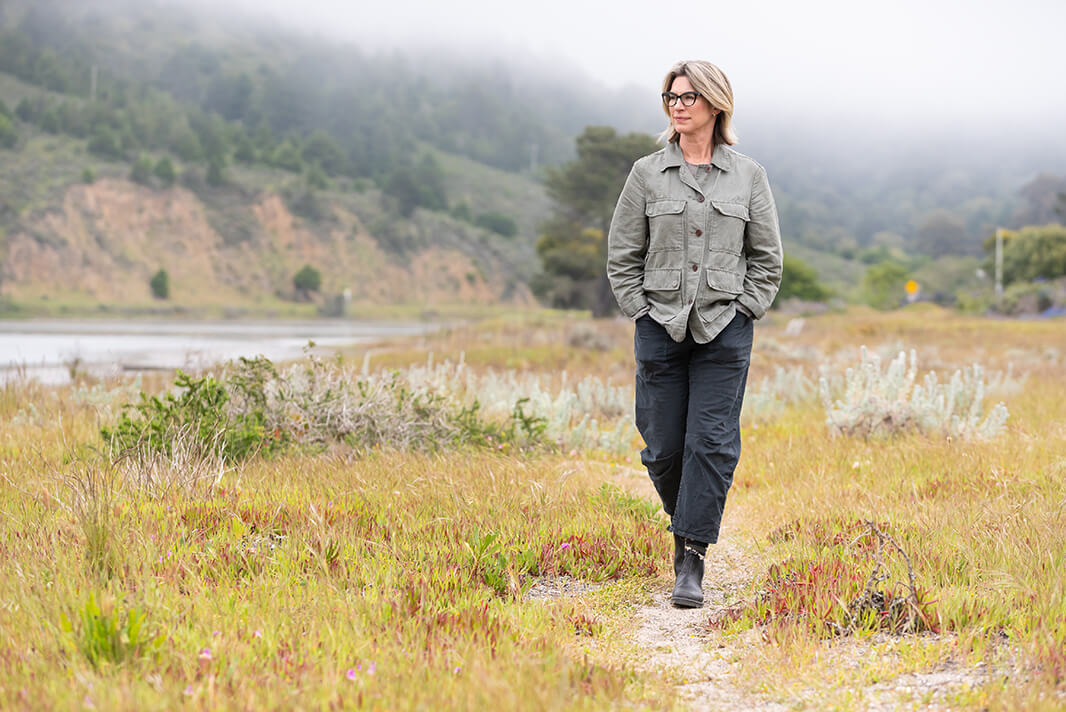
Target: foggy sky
x,y
976,65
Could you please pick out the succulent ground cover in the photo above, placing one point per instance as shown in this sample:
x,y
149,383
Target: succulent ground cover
x,y
314,563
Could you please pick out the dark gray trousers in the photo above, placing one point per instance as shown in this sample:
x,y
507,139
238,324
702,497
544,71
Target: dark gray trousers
x,y
688,400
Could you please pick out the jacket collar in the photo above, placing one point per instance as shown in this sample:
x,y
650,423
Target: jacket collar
x,y
673,158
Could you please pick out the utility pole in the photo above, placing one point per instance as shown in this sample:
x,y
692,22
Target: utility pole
x,y
999,262
92,84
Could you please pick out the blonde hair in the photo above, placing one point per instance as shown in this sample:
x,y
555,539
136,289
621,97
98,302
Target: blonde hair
x,y
713,85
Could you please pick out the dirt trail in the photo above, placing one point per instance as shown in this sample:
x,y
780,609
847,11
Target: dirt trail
x,y
678,640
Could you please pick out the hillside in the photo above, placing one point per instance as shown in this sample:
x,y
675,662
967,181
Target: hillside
x,y
81,230
259,150
69,243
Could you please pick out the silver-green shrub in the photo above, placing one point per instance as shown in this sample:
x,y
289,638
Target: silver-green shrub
x,y
884,402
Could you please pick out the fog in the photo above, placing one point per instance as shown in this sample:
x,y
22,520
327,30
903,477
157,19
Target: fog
x,y
977,67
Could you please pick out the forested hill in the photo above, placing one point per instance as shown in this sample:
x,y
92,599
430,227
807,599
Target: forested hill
x,y
145,135
150,103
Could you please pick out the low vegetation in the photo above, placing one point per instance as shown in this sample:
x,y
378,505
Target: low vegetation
x,y
355,533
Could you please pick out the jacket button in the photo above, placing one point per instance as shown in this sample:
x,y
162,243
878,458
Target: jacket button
x,y
695,268
698,232
699,199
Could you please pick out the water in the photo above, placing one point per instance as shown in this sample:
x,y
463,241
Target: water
x,y
47,350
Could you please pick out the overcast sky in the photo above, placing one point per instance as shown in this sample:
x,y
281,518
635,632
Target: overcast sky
x,y
976,62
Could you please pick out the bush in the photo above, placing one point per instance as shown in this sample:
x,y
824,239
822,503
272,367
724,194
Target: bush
x,y
88,176
160,284
875,403
164,171
141,172
308,279
498,222
198,411
254,408
106,144
799,280
8,136
216,171
883,285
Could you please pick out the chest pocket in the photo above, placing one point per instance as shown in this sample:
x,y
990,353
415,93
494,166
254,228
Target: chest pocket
x,y
730,221
666,225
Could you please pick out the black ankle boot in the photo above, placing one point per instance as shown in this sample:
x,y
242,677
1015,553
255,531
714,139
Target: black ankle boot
x,y
679,553
688,588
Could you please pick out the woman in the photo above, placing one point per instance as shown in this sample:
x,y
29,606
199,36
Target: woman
x,y
694,255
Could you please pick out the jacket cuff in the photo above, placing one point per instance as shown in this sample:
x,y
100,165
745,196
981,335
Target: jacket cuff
x,y
748,302
635,308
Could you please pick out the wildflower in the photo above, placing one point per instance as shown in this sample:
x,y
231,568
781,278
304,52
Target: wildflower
x,y
189,690
216,634
458,669
351,673
564,546
372,669
205,654
258,633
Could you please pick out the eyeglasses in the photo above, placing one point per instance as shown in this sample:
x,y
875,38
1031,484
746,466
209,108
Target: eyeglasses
x,y
687,99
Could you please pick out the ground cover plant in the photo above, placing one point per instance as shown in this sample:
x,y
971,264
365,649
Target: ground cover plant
x,y
328,565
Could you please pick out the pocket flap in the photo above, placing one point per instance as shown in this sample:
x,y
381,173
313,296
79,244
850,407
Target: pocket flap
x,y
721,280
664,207
734,210
662,279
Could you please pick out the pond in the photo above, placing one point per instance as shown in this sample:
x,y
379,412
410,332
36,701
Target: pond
x,y
49,350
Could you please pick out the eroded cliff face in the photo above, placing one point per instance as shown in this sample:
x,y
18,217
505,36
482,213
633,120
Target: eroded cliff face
x,y
105,241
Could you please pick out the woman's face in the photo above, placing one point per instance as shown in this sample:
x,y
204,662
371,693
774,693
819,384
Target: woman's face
x,y
690,120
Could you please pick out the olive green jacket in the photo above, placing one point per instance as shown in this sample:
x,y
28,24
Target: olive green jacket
x,y
672,247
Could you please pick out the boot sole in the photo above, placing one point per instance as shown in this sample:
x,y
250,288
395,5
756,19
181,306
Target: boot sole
x,y
681,602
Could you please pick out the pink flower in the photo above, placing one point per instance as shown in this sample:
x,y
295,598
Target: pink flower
x,y
351,673
564,546
189,690
458,669
205,654
258,633
372,669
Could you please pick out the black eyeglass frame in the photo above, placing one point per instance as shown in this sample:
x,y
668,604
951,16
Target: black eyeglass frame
x,y
687,98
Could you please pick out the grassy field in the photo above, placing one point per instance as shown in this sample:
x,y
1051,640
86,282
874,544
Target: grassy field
x,y
509,572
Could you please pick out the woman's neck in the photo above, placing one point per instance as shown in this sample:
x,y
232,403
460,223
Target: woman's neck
x,y
697,149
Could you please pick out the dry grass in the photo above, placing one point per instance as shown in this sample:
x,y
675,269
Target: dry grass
x,y
395,580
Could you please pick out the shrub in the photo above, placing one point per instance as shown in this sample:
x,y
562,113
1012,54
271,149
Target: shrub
x,y
798,279
308,279
216,171
8,136
88,176
253,407
164,171
141,172
889,402
498,223
106,144
160,284
883,285
199,411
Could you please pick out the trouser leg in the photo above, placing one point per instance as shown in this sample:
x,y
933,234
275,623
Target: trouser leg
x,y
717,375
661,403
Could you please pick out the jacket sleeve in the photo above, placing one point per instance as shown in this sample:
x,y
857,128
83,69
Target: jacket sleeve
x,y
627,243
762,249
